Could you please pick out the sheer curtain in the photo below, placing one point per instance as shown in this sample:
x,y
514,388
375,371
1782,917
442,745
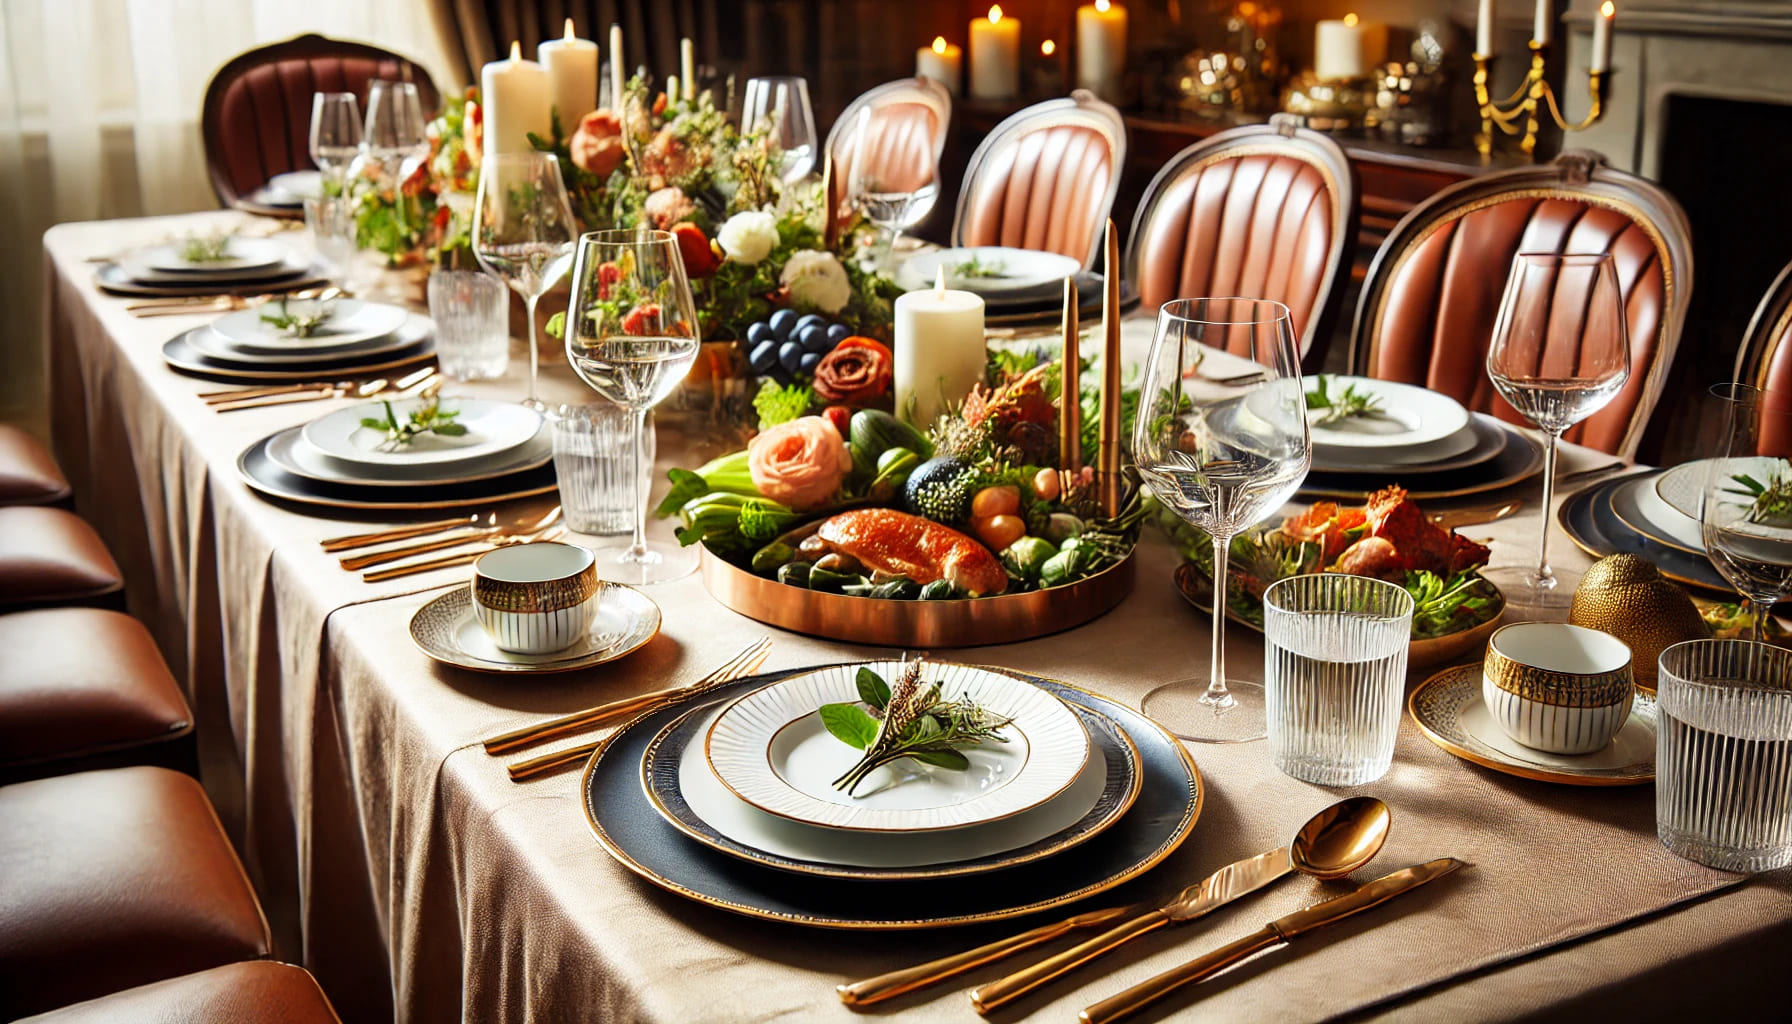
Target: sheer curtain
x,y
99,118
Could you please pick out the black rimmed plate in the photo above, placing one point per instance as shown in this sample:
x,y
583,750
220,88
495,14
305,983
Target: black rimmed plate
x,y
116,280
182,356
1029,311
630,830
1594,527
1520,457
266,477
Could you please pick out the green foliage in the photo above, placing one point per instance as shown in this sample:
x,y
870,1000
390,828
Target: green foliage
x,y
918,722
777,403
1342,405
428,418
849,724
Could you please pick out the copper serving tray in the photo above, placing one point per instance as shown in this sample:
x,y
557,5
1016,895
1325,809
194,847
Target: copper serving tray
x,y
923,624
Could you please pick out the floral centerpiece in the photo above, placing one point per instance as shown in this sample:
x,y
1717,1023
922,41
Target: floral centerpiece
x,y
419,213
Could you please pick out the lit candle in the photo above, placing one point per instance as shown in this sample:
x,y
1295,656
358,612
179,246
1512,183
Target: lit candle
x,y
687,67
1484,28
995,57
1540,30
516,101
571,64
1100,48
940,62
1347,49
940,351
618,77
1602,37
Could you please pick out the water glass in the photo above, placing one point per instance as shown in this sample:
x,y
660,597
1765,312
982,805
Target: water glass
x,y
1723,754
472,315
331,220
594,452
1336,671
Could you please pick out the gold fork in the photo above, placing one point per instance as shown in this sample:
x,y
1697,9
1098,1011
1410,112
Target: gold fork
x,y
490,532
382,575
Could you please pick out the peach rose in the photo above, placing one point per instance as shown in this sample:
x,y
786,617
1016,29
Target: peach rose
x,y
597,146
799,464
667,207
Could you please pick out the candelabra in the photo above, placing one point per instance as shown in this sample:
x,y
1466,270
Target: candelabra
x,y
1522,109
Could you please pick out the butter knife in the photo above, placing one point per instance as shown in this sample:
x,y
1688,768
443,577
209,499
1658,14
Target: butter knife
x,y
1276,933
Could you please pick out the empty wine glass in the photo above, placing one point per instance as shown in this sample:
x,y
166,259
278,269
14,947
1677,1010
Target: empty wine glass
x,y
1560,353
631,334
394,134
1745,510
1222,456
894,179
523,232
335,133
779,105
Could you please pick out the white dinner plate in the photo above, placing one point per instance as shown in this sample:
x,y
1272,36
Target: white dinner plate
x,y
493,429
1015,270
1410,415
240,254
300,185
134,270
209,342
351,322
290,452
1447,453
771,750
1639,507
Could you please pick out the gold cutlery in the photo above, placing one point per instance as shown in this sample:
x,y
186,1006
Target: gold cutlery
x,y
491,531
363,540
590,718
409,380
1480,515
1332,844
190,305
1278,932
1588,474
523,771
366,389
382,575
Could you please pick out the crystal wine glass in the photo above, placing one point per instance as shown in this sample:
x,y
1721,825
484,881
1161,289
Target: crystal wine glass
x,y
1560,353
335,133
780,105
523,232
631,333
394,133
1222,456
1745,510
894,189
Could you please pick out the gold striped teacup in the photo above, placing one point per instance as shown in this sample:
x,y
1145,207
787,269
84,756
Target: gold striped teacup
x,y
536,598
1555,687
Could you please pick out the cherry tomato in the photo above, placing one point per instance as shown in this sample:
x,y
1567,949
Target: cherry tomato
x,y
1001,500
1045,485
1000,531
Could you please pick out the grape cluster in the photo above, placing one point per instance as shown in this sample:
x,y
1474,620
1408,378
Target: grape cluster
x,y
788,347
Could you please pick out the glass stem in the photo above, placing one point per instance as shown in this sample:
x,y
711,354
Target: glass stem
x,y
529,302
1762,609
639,547
1216,686
1545,577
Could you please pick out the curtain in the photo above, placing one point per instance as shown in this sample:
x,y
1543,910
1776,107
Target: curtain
x,y
99,118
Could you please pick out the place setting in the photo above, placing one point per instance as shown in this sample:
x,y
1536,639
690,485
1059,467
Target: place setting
x,y
211,268
303,337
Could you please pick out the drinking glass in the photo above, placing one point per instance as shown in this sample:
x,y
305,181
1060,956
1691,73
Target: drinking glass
x,y
1745,509
1560,352
779,104
1723,754
331,220
523,232
394,132
472,322
631,333
335,133
1222,455
594,460
1334,675
892,189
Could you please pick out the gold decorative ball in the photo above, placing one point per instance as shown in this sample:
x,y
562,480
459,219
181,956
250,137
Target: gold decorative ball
x,y
1626,596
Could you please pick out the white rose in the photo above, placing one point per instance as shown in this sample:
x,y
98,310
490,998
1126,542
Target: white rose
x,y
817,280
749,237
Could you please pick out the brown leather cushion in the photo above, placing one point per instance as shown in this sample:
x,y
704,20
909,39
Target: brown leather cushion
x,y
898,146
1437,320
1043,191
257,992
113,879
28,472
49,555
1776,378
81,681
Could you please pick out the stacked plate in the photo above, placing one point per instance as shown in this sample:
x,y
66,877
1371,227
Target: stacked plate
x,y
248,266
724,796
1019,287
357,338
1653,514
336,461
1422,439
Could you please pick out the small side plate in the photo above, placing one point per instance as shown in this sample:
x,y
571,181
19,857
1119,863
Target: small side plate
x,y
446,631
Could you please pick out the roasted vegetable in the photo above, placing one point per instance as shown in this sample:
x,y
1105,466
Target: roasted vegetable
x,y
732,522
1027,556
771,558
795,574
939,590
833,582
899,589
877,432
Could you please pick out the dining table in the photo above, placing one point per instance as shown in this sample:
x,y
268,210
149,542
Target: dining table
x,y
399,862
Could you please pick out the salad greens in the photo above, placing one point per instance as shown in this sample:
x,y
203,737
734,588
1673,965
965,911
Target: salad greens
x,y
1342,405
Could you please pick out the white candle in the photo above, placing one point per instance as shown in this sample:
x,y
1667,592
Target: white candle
x,y
995,57
671,88
940,62
618,77
571,64
1602,37
940,351
1540,30
1484,28
1348,48
1101,48
687,67
516,100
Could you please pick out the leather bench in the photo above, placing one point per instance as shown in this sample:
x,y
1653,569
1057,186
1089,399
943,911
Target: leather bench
x,y
50,556
28,472
258,992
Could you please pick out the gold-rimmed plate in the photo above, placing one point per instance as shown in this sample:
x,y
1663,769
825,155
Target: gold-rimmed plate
x,y
630,830
1593,526
447,631
1519,458
259,471
1449,710
182,357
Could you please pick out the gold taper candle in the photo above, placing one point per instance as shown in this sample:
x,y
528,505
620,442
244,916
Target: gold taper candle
x,y
1070,398
828,212
1108,471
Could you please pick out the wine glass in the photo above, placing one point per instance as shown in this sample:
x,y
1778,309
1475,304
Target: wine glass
x,y
1560,353
523,232
1222,456
631,333
779,104
394,133
892,188
335,133
1745,510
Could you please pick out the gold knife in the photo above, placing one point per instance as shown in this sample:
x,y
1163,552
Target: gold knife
x,y
1276,933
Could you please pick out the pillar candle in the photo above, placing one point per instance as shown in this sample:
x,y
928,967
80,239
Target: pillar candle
x,y
940,351
1484,28
618,77
571,64
1101,48
1348,48
515,96
940,62
1602,37
995,57
687,67
1540,30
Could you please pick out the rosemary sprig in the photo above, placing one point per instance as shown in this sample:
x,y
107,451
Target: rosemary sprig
x,y
975,267
1342,405
1769,502
214,248
300,325
428,418
917,722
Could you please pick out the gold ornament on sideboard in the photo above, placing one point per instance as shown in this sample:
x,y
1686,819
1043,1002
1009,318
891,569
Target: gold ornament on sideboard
x,y
1523,110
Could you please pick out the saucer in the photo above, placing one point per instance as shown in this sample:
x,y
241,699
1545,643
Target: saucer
x,y
446,630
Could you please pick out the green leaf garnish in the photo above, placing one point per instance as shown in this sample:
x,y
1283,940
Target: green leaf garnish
x,y
917,723
975,268
428,418
849,724
213,248
1342,405
872,689
780,404
300,325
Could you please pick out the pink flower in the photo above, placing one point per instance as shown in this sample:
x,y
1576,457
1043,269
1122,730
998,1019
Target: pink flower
x,y
597,145
666,157
667,207
799,464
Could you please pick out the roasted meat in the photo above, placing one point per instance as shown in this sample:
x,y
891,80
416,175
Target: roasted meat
x,y
924,551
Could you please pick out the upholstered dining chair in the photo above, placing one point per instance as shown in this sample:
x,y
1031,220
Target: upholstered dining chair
x,y
1045,179
1268,211
1428,305
905,132
1765,361
256,121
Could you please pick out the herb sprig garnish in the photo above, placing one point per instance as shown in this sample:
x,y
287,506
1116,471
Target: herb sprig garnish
x,y
976,267
1342,405
916,721
213,248
1770,503
300,325
428,418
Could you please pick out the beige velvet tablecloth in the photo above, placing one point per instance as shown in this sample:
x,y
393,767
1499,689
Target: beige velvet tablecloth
x,y
399,863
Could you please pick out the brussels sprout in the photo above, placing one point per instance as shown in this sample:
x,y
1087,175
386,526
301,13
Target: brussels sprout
x,y
834,582
770,558
1062,527
938,590
900,589
795,573
1058,569
1027,556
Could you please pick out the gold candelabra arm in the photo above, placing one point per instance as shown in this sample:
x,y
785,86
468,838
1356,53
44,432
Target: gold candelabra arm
x,y
1595,106
1526,103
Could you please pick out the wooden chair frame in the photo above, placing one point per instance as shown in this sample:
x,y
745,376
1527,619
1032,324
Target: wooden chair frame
x,y
1767,331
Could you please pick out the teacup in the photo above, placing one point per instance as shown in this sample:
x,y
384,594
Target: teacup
x,y
536,598
1558,688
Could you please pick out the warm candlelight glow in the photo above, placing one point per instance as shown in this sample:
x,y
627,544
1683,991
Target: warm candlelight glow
x,y
1350,19
570,34
1048,47
1102,6
939,44
1607,10
939,282
995,14
516,50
